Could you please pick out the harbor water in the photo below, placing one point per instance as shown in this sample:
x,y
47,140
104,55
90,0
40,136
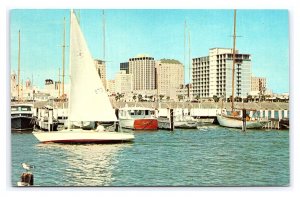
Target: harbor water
x,y
208,156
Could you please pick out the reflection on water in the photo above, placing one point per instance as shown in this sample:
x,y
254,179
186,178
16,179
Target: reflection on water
x,y
76,165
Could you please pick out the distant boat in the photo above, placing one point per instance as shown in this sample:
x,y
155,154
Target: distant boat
x,y
22,119
88,99
185,122
47,122
138,118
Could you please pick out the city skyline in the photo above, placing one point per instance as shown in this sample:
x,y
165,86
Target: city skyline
x,y
130,32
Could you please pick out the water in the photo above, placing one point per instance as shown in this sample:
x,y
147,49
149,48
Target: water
x,y
210,156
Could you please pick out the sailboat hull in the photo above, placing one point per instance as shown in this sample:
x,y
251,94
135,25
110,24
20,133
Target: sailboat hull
x,y
227,121
185,124
82,136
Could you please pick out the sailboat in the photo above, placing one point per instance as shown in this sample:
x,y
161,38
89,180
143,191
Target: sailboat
x,y
186,121
88,99
235,120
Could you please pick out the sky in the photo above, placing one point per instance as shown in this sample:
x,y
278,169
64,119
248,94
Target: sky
x,y
158,33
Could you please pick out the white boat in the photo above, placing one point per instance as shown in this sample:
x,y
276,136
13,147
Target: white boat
x,y
180,121
22,119
138,118
88,99
185,122
237,122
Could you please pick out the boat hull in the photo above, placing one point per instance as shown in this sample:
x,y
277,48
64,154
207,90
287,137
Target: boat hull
x,y
165,123
185,124
226,121
139,124
22,124
82,136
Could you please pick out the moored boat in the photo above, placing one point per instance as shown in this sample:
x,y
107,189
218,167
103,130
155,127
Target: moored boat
x,y
235,121
22,119
138,118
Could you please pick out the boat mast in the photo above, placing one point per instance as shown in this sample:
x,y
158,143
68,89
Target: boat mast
x,y
103,29
233,61
189,91
184,42
63,59
58,83
19,54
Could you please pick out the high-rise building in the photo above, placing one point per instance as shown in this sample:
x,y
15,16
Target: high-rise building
x,y
125,66
123,82
258,84
143,71
212,74
170,77
101,69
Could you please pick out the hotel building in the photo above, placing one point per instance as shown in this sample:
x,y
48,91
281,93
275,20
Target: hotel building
x,y
143,72
212,74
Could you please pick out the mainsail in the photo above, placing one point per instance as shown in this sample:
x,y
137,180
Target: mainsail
x,y
88,98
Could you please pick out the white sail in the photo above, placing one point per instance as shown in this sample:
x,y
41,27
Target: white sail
x,y
88,98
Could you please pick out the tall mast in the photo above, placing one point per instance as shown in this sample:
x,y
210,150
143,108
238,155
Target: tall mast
x,y
233,61
189,91
103,28
63,58
58,83
184,42
19,54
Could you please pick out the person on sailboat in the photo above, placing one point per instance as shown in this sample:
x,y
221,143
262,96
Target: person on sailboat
x,y
100,127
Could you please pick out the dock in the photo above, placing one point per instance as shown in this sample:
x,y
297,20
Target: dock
x,y
276,112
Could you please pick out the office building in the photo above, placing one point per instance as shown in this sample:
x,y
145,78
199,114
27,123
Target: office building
x,y
101,70
170,77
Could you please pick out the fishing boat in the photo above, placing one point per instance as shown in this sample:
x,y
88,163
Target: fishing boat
x,y
234,119
138,118
88,100
22,119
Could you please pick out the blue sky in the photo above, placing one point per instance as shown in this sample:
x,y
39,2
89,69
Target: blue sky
x,y
159,33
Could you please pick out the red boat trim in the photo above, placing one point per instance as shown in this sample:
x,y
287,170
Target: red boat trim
x,y
85,141
145,124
